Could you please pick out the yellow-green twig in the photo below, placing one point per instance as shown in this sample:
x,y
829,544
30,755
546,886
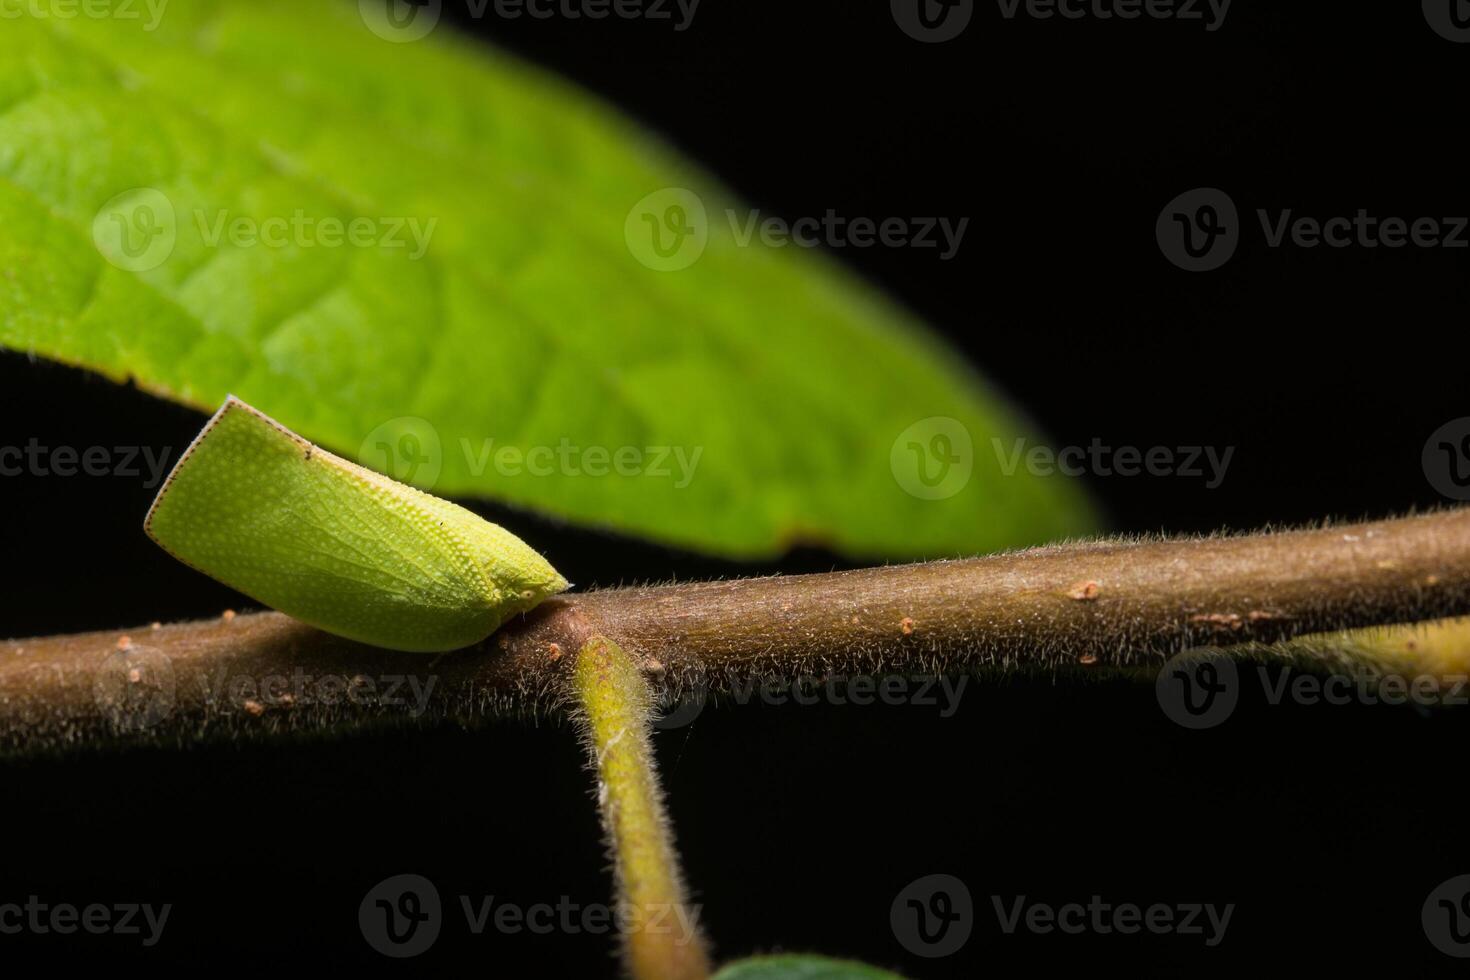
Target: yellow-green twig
x,y
661,938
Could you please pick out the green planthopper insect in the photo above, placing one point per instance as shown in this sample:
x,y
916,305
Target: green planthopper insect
x,y
345,549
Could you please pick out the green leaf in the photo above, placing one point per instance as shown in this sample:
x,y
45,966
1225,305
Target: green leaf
x,y
798,967
338,546
438,261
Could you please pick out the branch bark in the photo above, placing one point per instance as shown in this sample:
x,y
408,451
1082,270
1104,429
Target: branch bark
x,y
1103,602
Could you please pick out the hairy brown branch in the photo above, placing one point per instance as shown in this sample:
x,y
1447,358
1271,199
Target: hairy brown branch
x,y
1105,602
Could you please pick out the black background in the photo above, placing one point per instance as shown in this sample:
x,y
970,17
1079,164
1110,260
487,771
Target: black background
x,y
1325,368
